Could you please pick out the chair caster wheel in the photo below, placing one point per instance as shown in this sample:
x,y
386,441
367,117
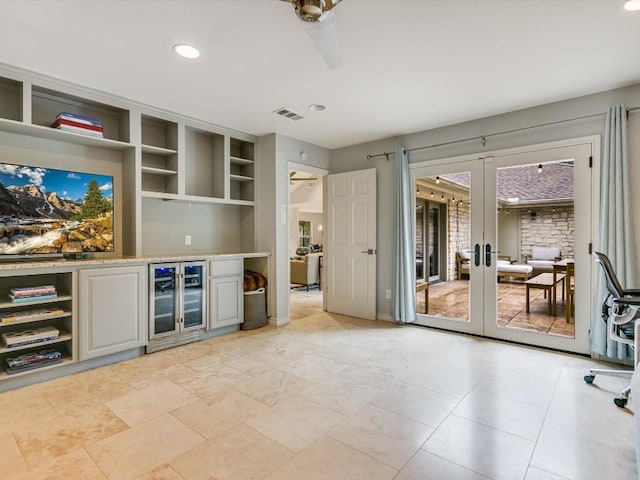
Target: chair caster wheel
x,y
589,378
620,402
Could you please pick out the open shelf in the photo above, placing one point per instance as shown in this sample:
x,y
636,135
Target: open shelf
x,y
36,318
159,136
10,99
158,171
66,359
48,133
47,104
240,178
62,337
60,298
240,161
159,151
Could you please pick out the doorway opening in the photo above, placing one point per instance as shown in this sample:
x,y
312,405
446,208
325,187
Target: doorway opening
x,y
306,240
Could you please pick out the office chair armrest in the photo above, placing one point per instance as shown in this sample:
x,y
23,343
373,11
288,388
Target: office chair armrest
x,y
632,301
632,293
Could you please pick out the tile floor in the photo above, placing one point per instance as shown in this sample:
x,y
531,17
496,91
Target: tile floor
x,y
327,397
451,299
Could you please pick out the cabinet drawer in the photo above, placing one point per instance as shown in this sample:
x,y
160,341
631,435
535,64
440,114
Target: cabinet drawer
x,y
232,266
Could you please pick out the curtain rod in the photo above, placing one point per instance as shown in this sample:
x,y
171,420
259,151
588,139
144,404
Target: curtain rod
x,y
483,138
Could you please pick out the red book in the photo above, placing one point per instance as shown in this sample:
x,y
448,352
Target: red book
x,y
85,126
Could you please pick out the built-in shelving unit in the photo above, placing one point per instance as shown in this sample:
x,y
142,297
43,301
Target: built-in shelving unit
x,y
154,156
241,160
159,155
57,313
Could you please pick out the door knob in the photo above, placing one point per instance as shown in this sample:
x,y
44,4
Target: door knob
x,y
371,251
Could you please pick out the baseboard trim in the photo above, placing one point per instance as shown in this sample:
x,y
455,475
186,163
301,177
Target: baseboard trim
x,y
278,322
385,317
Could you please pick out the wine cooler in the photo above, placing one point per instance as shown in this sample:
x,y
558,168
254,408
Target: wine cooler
x,y
177,304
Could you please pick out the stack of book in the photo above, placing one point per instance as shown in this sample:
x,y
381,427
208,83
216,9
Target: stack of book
x,y
32,294
29,361
71,122
27,337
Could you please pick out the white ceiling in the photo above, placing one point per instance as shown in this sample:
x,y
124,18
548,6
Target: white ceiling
x,y
408,65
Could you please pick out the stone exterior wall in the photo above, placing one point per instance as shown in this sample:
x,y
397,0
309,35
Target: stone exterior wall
x,y
459,235
551,227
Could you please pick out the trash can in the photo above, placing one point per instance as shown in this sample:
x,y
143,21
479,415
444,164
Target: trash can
x,y
255,309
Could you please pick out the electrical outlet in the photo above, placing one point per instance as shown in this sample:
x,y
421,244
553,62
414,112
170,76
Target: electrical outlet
x,y
388,293
187,239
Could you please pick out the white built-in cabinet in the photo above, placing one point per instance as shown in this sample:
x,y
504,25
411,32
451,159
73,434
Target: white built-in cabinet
x,y
113,310
226,304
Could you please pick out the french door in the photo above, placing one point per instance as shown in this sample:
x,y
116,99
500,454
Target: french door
x,y
499,211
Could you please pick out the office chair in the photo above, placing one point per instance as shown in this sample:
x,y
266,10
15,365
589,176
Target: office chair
x,y
619,311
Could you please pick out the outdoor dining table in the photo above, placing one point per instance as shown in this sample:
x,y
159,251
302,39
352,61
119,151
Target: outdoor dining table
x,y
559,267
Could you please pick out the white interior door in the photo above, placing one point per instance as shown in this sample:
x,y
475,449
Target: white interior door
x,y
350,253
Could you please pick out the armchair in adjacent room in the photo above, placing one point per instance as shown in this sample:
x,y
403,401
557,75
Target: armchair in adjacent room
x,y
620,311
306,270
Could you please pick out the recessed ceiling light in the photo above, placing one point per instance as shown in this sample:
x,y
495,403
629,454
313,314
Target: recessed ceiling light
x,y
186,51
632,5
316,107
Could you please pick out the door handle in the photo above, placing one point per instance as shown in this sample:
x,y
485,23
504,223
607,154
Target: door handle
x,y
476,251
487,254
370,251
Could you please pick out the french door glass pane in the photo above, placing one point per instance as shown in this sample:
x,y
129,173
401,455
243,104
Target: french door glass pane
x,y
443,250
535,244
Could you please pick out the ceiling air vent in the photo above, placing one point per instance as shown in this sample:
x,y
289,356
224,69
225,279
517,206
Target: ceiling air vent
x,y
284,112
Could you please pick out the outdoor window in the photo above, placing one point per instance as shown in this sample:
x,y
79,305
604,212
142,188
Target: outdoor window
x,y
304,233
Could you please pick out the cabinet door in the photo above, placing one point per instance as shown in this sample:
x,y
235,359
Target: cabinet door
x,y
113,310
226,301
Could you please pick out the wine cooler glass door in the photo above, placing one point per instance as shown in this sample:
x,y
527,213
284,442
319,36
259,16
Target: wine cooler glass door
x,y
165,299
193,295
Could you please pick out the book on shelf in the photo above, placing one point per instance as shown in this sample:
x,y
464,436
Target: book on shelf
x,y
40,313
31,361
71,123
34,298
33,366
81,131
27,337
78,118
30,291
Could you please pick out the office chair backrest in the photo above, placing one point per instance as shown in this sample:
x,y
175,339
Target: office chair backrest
x,y
613,285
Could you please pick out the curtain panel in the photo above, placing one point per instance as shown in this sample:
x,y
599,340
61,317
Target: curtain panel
x,y
404,291
616,228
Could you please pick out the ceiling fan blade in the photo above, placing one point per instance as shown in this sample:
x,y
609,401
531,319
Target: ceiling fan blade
x,y
325,36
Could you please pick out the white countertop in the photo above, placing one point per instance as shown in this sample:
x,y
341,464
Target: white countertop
x,y
33,263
